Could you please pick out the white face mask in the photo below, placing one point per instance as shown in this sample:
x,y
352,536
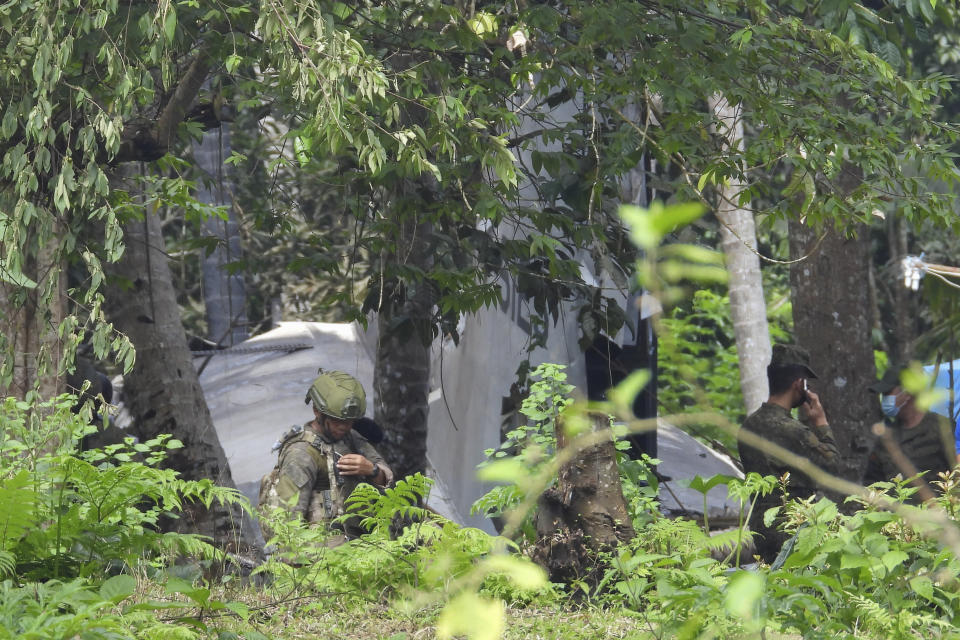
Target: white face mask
x,y
888,404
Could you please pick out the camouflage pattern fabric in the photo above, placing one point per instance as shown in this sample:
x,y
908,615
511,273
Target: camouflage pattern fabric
x,y
929,446
776,424
304,470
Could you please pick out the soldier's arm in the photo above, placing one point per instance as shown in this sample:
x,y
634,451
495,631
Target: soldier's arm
x,y
368,451
814,443
297,476
827,447
819,445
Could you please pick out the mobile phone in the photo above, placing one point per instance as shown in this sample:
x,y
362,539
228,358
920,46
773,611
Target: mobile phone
x,y
806,396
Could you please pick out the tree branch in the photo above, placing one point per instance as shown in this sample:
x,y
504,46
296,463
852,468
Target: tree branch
x,y
151,141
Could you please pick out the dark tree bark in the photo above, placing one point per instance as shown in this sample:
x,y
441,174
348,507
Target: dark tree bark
x,y
162,391
584,514
832,318
224,294
905,329
401,376
29,327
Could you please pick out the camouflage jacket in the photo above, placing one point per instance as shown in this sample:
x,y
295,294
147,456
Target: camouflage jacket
x,y
928,445
306,468
775,424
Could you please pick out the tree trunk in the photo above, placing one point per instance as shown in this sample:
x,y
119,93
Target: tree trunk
x,y
584,514
223,293
832,319
903,299
738,238
401,376
29,327
162,391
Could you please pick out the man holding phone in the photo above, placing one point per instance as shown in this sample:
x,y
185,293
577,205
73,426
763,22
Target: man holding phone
x,y
788,374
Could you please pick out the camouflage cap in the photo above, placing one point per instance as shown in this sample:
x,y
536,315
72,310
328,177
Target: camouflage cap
x,y
786,355
887,382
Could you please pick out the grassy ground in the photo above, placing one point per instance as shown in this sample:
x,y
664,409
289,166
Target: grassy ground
x,y
334,618
335,622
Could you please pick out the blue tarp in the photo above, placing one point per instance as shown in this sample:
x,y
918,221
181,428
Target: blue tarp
x,y
943,407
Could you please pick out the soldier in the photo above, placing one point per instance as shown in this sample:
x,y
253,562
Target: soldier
x,y
323,461
924,438
788,373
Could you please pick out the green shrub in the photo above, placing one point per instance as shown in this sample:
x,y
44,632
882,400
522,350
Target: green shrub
x,y
67,513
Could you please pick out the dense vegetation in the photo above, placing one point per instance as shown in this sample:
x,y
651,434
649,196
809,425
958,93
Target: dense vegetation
x,y
84,553
406,157
82,556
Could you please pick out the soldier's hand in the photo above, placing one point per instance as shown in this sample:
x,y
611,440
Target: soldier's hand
x,y
354,464
814,410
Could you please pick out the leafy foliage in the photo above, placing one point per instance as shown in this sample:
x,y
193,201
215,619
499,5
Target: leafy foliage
x,y
703,376
410,553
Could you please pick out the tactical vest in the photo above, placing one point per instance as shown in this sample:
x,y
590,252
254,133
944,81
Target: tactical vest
x,y
325,505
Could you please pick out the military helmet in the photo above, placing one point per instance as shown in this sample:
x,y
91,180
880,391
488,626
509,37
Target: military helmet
x,y
338,395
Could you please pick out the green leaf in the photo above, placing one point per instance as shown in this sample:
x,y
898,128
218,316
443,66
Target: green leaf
x,y
743,592
118,588
483,23
157,605
669,219
238,608
301,147
854,561
704,179
170,23
15,277
697,483
923,586
505,470
624,393
893,559
769,515
9,123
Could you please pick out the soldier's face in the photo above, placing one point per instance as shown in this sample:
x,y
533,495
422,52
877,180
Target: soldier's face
x,y
337,429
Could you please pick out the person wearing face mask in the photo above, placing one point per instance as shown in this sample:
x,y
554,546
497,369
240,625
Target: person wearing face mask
x,y
788,374
910,440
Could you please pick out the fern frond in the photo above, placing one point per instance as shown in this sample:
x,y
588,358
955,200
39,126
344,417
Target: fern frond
x,y
188,544
18,505
8,563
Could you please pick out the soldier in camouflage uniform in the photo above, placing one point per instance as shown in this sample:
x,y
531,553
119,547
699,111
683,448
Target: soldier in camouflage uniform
x,y
924,438
787,373
324,460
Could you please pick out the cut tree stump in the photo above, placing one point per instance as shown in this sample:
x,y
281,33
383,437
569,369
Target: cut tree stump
x,y
585,514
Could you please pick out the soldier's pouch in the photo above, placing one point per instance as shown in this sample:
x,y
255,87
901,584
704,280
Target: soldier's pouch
x,y
322,508
267,483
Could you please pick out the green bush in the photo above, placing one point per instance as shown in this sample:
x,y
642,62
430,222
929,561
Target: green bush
x,y
408,550
69,513
75,526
